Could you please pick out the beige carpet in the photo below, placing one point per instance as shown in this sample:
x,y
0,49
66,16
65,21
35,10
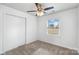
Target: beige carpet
x,y
41,51
41,48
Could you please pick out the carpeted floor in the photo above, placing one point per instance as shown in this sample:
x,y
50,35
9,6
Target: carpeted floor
x,y
41,48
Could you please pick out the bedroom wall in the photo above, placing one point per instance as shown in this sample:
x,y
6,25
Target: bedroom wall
x,y
78,30
31,28
67,36
1,30
36,27
31,25
31,21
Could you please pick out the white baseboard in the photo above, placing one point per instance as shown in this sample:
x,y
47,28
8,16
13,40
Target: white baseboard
x,y
28,42
60,45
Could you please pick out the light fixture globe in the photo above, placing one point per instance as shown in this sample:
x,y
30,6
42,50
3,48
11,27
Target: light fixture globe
x,y
40,13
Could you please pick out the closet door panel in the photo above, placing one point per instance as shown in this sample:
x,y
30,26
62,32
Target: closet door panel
x,y
1,28
15,31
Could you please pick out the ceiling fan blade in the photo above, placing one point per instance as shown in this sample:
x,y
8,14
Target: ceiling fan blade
x,y
36,5
48,8
32,11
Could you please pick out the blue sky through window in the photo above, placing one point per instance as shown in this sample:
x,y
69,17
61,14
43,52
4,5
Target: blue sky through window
x,y
54,22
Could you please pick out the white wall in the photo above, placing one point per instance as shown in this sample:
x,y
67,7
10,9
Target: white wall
x,y
67,36
1,30
30,25
78,30
36,27
31,28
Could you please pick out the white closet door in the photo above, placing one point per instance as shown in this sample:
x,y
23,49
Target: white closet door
x,y
15,32
1,28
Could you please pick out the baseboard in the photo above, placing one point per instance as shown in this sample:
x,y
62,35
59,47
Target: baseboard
x,y
28,42
55,44
60,45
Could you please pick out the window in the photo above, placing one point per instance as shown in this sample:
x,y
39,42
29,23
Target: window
x,y
53,26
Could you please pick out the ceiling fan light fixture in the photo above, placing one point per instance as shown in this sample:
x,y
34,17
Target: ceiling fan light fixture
x,y
40,13
40,10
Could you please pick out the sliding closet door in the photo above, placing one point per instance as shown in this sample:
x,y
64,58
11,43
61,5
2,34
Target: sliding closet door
x,y
15,31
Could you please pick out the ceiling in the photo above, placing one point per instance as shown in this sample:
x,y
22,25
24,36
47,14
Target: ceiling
x,y
31,6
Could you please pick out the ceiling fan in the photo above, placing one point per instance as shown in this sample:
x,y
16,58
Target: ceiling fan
x,y
40,10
